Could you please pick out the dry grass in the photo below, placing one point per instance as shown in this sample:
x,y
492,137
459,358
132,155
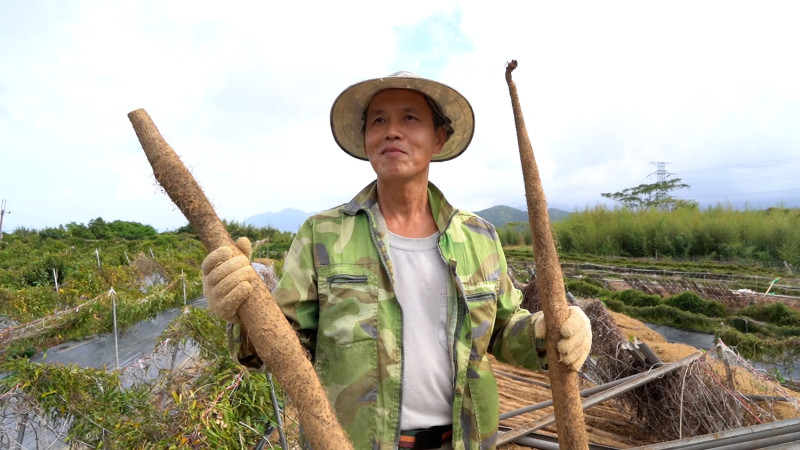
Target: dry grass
x,y
693,400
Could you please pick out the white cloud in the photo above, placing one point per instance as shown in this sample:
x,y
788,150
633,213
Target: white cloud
x,y
242,93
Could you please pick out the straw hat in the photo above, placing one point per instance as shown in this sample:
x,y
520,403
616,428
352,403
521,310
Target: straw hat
x,y
348,110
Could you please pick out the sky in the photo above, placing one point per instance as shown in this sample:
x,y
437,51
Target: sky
x,y
242,92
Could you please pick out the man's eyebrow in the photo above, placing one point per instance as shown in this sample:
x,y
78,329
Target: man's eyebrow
x,y
409,108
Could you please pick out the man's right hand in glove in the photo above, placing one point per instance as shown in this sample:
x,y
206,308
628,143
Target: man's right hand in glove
x,y
228,279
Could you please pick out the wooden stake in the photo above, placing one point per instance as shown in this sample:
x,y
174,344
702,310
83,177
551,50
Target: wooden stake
x,y
550,284
273,338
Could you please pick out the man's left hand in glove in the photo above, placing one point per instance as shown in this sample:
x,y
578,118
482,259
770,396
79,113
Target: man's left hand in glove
x,y
576,337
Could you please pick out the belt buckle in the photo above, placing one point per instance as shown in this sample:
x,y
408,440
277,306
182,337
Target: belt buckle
x,y
429,439
425,440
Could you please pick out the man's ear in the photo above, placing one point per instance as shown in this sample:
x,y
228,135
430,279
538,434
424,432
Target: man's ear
x,y
441,138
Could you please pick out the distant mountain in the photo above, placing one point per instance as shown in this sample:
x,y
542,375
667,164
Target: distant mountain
x,y
557,215
501,215
288,219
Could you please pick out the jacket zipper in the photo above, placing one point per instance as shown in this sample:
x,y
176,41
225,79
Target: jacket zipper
x,y
460,313
402,319
459,321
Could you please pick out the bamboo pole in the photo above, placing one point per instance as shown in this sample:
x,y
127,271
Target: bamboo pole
x,y
273,338
550,284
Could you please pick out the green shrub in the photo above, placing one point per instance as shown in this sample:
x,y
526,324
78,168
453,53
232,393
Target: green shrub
x,y
637,299
41,272
786,331
774,313
749,346
20,349
746,325
690,301
674,317
160,413
584,287
720,232
615,305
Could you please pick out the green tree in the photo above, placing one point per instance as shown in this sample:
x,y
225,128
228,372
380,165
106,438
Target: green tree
x,y
131,230
652,196
99,228
79,230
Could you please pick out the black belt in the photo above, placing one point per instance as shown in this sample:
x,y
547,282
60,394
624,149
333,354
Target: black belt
x,y
426,438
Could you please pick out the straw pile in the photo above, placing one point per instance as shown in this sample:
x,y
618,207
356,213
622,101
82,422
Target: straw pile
x,y
700,398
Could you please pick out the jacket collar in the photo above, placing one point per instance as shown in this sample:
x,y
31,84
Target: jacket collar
x,y
368,199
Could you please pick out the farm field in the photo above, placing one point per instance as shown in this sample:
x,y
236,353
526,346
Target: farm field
x,y
59,289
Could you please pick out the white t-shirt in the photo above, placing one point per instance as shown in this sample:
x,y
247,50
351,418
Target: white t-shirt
x,y
422,285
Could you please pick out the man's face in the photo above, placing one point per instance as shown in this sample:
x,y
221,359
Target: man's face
x,y
399,135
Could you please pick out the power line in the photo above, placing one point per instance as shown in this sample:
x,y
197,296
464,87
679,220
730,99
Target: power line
x,y
736,194
750,165
704,181
777,177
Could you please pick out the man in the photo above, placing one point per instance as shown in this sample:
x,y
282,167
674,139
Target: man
x,y
398,295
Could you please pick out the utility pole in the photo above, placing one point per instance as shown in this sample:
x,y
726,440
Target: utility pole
x,y
2,214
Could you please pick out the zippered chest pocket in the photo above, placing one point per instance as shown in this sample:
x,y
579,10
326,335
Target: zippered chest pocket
x,y
344,278
348,303
480,297
482,304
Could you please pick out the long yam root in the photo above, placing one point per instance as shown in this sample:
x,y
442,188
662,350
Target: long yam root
x,y
273,338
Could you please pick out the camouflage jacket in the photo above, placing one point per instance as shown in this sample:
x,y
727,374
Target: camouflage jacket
x,y
337,291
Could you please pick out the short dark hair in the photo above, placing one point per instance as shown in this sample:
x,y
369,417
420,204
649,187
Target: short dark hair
x,y
439,119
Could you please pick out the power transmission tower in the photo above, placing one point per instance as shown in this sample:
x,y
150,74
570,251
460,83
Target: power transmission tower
x,y
661,177
2,214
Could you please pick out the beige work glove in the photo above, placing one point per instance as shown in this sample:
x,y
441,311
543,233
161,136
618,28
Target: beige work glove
x,y
576,337
228,279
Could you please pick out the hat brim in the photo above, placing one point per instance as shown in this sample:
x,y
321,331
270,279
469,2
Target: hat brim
x,y
348,109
